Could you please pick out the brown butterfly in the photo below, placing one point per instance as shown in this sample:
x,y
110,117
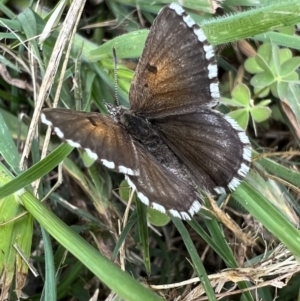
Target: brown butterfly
x,y
171,142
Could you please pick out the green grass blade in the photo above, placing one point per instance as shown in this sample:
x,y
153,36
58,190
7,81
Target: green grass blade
x,y
8,148
37,171
269,216
198,266
126,287
49,292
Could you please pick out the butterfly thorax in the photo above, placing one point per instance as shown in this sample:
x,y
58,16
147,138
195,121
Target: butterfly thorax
x,y
142,131
138,127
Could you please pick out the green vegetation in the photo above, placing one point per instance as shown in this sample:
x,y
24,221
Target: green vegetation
x,y
76,233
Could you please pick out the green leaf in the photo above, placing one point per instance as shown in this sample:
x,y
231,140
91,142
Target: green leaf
x,y
264,64
277,114
53,20
36,171
261,92
125,190
241,116
98,264
260,114
252,66
254,21
275,61
230,102
197,263
28,21
269,216
128,45
279,39
130,223
284,55
265,51
289,66
50,290
16,230
87,160
288,30
273,191
262,80
8,149
264,102
292,100
274,89
143,234
157,218
241,94
282,89
277,169
293,76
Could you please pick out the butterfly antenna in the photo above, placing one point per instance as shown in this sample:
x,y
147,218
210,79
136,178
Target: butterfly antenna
x,y
115,75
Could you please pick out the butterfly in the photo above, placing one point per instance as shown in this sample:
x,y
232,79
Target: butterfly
x,y
171,142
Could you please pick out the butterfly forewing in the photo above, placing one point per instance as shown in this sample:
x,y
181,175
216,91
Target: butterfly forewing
x,y
177,72
97,134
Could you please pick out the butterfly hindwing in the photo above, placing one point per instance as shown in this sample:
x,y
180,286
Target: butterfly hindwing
x,y
162,190
213,147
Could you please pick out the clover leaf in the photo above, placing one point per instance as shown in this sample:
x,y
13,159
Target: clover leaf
x,y
273,68
241,98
